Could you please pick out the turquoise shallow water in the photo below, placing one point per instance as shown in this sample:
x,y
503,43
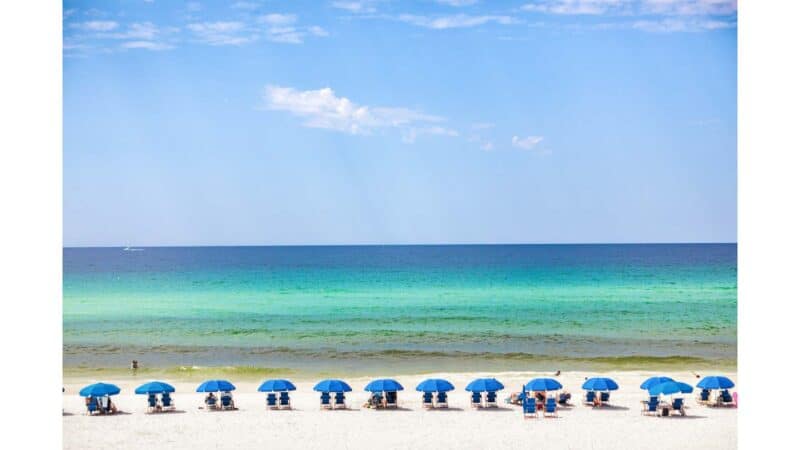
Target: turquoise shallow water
x,y
404,308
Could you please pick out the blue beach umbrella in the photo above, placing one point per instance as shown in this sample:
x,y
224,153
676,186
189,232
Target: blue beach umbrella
x,y
484,385
600,384
715,382
332,386
670,387
154,387
383,385
435,385
543,384
99,390
215,386
652,381
278,385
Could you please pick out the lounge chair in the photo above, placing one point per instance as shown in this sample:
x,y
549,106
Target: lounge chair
x,y
724,398
704,397
272,401
677,405
550,407
475,401
491,399
166,402
604,396
529,409
211,403
441,400
339,401
227,402
427,400
391,399
590,396
91,407
152,403
650,406
283,401
325,401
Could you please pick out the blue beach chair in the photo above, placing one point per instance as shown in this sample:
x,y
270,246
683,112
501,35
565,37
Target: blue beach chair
x,y
650,406
550,407
227,401
491,399
284,402
705,396
325,401
677,405
391,399
725,397
272,401
91,407
529,410
211,402
604,396
166,402
152,402
590,396
427,400
475,401
339,401
441,400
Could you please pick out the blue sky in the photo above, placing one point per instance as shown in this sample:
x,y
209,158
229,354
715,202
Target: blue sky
x,y
453,121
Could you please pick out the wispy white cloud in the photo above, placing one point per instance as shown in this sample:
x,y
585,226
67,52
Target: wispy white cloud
x,y
322,108
681,25
222,33
457,3
318,31
146,45
410,136
357,7
634,7
575,7
278,19
454,21
526,143
96,25
247,6
690,7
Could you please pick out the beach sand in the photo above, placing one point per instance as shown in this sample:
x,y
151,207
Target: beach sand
x,y
307,427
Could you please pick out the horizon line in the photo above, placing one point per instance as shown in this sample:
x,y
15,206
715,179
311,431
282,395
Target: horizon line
x,y
399,245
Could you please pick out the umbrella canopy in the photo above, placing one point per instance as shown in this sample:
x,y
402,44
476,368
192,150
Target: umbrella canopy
x,y
669,388
484,385
650,382
332,386
279,385
383,385
155,387
715,382
435,385
215,386
600,384
99,390
543,384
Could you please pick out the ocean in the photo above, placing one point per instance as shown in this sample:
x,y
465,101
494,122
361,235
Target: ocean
x,y
400,309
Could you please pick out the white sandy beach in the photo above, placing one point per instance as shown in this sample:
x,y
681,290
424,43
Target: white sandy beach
x,y
252,426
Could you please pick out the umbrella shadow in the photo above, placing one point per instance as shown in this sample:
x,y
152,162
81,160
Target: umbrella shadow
x,y
174,411
118,413
497,409
452,408
611,408
64,413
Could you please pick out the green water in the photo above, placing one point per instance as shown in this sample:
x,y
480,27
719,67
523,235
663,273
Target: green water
x,y
406,309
